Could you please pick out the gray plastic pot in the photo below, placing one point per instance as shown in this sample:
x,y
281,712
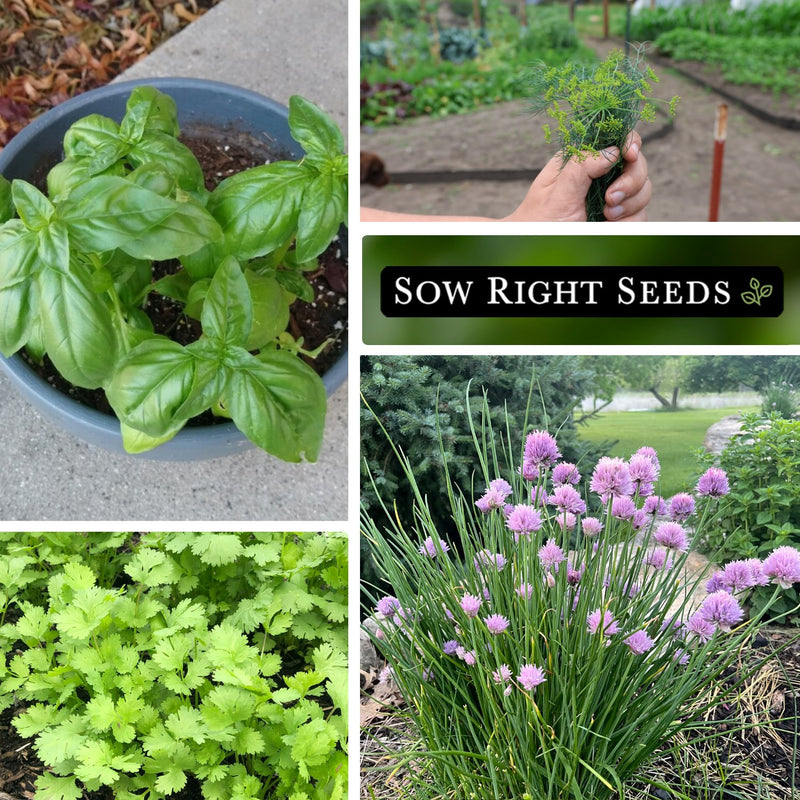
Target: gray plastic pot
x,y
201,103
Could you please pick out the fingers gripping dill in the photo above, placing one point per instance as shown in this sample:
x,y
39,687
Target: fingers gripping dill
x,y
595,107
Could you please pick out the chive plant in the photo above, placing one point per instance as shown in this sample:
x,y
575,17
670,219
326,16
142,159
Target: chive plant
x,y
594,108
546,650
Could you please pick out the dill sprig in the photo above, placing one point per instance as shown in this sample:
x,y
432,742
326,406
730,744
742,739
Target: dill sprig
x,y
595,107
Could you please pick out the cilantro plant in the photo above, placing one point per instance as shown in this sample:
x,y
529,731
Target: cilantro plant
x,y
215,658
595,108
77,267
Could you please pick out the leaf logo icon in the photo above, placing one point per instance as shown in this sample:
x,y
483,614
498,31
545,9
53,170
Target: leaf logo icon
x,y
758,294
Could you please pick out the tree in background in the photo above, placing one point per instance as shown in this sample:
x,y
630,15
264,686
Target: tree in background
x,y
662,376
668,377
419,399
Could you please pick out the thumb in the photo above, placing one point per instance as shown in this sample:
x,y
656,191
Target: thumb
x,y
596,165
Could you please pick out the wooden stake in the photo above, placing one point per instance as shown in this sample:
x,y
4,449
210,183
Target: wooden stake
x,y
720,135
605,19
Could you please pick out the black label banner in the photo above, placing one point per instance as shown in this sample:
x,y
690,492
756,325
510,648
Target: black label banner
x,y
473,291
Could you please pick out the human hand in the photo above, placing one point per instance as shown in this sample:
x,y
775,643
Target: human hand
x,y
559,191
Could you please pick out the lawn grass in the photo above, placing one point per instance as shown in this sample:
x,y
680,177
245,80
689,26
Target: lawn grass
x,y
675,436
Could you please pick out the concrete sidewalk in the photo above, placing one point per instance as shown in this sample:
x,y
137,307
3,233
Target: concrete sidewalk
x,y
277,48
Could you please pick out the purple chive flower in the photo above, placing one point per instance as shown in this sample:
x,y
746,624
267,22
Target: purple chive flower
x,y
565,473
502,675
467,656
622,507
658,559
524,520
551,555
672,536
639,642
651,454
757,571
538,496
591,526
681,656
639,520
486,559
386,675
716,583
567,498
655,505
449,648
541,452
672,624
611,478
737,576
530,676
428,547
603,621
496,623
642,470
783,566
495,496
697,625
388,606
525,591
713,483
681,506
566,521
574,575
722,609
470,604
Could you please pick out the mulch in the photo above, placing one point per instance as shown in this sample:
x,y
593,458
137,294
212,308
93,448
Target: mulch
x,y
51,51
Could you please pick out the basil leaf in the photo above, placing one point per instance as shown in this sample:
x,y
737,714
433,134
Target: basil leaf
x,y
131,276
211,377
34,209
258,209
91,135
161,111
108,212
86,356
294,282
173,156
176,286
6,202
73,172
52,245
270,310
137,442
324,209
18,308
150,384
279,403
227,313
18,252
313,129
153,177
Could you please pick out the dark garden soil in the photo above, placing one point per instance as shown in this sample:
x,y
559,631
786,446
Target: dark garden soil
x,y
768,699
760,178
324,319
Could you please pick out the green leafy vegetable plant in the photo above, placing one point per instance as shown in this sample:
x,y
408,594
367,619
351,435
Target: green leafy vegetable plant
x,y
77,267
595,107
209,659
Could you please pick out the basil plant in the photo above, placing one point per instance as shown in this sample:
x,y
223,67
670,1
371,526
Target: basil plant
x,y
76,268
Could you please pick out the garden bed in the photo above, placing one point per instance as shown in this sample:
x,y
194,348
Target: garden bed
x,y
760,177
740,758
